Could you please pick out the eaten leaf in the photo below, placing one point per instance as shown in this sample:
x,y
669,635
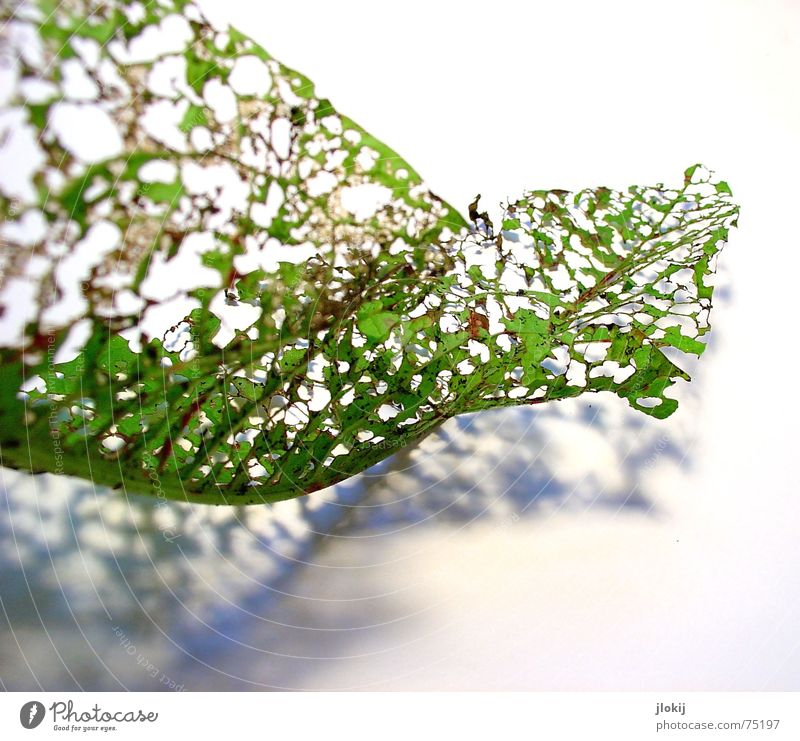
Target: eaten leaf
x,y
240,296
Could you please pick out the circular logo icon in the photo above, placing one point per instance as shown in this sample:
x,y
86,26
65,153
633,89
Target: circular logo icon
x,y
31,714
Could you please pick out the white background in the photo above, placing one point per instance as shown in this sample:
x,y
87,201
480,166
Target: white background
x,y
695,590
615,716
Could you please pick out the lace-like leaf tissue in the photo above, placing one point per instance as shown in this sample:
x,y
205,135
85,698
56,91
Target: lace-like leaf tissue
x,y
218,288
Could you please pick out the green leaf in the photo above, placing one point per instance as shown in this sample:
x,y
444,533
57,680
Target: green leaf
x,y
253,335
164,192
376,327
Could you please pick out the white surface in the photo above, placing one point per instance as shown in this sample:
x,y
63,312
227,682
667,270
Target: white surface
x,y
498,97
695,588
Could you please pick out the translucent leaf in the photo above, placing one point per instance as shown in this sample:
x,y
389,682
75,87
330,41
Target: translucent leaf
x,y
217,287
